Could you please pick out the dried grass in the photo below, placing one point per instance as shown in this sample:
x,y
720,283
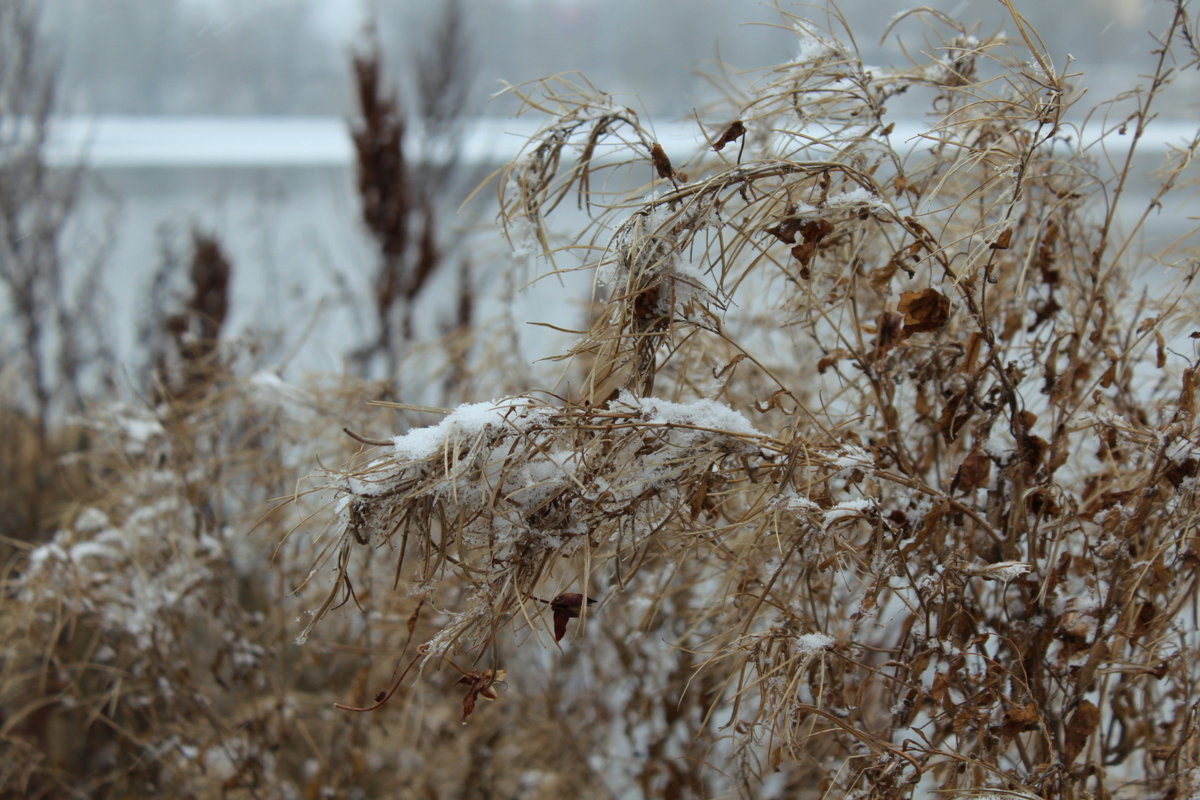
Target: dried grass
x,y
878,460
933,527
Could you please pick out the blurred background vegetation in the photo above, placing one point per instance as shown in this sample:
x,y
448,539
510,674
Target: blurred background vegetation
x,y
288,56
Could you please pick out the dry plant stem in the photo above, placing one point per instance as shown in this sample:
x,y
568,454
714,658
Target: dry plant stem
x,y
936,533
384,696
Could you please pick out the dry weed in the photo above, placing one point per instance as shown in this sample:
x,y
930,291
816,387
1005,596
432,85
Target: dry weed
x,y
880,459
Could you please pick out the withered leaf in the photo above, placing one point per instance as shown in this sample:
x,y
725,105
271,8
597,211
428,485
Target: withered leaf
x,y
1035,449
732,133
566,606
974,471
1018,719
958,410
786,230
831,358
941,682
889,331
924,310
1147,614
1109,376
662,164
1079,728
880,276
804,251
1177,471
815,230
1073,631
1187,394
481,684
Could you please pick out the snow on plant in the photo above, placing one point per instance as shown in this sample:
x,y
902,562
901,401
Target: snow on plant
x,y
155,615
874,441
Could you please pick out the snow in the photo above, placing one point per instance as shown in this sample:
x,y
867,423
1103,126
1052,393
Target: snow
x,y
852,456
468,421
847,509
814,642
91,520
699,413
1004,571
858,196
813,47
791,501
139,432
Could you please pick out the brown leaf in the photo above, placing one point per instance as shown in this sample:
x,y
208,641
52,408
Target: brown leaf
x,y
1187,395
974,471
941,682
1147,614
566,606
803,252
925,310
816,229
662,164
481,684
1079,728
831,358
732,133
1003,241
1018,719
889,332
1177,471
786,230
958,410
412,619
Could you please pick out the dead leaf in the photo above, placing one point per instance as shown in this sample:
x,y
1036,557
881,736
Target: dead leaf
x,y
1018,719
1079,728
732,133
786,230
481,683
831,358
1109,376
662,164
941,682
974,471
958,410
924,310
566,606
889,332
1147,614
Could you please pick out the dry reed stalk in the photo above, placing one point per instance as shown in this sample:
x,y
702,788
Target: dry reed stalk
x,y
938,532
